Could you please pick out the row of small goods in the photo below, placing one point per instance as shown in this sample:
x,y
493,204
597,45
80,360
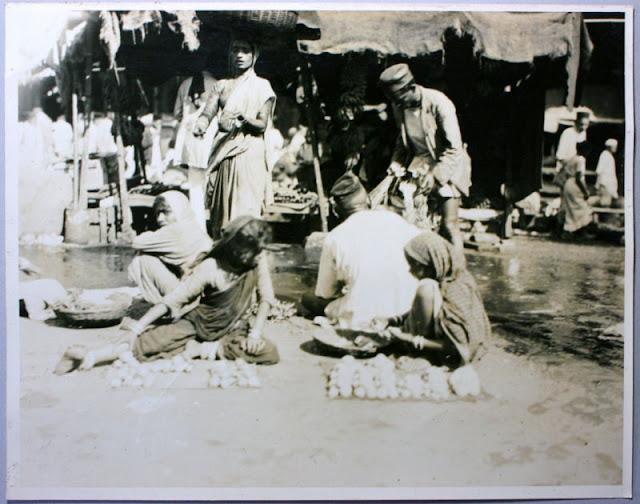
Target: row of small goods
x,y
406,378
128,372
377,378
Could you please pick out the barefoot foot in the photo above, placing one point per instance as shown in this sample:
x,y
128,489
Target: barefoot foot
x,y
71,359
192,350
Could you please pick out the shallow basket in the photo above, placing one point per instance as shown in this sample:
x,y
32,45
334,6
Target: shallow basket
x,y
342,342
99,316
278,20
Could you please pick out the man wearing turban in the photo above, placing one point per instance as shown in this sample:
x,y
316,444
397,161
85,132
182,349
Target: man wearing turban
x,y
607,182
363,274
429,146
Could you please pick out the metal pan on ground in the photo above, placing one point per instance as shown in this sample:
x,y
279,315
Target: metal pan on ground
x,y
360,344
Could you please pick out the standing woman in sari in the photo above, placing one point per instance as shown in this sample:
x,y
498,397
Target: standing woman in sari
x,y
239,174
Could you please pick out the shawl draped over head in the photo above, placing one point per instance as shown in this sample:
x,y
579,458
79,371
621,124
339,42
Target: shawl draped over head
x,y
179,244
462,317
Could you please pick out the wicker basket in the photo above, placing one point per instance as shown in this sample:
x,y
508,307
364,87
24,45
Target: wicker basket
x,y
278,20
95,316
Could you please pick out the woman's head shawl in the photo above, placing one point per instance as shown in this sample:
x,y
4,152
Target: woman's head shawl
x,y
179,244
179,204
462,318
349,194
430,248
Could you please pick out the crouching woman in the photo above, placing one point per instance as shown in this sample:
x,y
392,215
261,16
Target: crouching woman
x,y
209,305
170,252
447,321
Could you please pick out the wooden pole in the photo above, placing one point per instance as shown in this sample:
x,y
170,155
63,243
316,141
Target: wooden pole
x,y
311,120
127,231
84,167
76,140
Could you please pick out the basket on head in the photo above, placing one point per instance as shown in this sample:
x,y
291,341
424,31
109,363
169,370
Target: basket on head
x,y
278,20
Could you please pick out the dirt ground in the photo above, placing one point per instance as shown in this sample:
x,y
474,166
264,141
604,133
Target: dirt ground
x,y
540,422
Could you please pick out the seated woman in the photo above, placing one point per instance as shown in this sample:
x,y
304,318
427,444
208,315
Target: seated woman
x,y
167,254
225,283
447,319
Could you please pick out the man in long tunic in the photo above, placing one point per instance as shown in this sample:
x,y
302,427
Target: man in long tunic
x,y
429,147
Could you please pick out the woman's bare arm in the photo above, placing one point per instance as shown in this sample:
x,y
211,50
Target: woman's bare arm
x,y
259,123
153,314
420,342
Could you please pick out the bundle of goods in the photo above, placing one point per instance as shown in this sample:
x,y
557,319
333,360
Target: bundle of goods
x,y
127,371
225,374
406,378
92,308
280,311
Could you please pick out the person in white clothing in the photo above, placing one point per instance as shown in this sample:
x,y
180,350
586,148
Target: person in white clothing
x,y
571,137
607,182
45,126
62,139
274,142
190,150
363,273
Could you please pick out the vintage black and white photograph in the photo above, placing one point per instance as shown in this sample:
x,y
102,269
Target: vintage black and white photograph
x,y
381,252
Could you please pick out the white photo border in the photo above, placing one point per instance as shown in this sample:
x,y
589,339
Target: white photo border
x,y
12,437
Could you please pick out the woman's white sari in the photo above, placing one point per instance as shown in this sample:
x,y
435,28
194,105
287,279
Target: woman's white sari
x,y
239,171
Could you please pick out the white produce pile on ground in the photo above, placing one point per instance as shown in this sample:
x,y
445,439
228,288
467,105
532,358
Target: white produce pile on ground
x,y
384,378
128,372
225,374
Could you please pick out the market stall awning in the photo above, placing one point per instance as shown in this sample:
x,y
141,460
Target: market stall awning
x,y
511,37
502,36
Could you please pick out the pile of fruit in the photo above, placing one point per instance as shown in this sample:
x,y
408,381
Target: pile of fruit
x,y
128,372
225,374
383,378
